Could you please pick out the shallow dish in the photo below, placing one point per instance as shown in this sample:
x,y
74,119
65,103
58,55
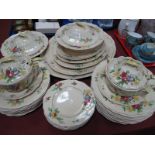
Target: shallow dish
x,y
61,106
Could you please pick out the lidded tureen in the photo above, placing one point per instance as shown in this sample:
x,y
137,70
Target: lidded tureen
x,y
127,76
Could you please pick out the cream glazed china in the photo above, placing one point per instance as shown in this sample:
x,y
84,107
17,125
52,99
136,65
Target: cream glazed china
x,y
79,36
62,108
16,72
130,114
63,76
37,80
128,76
79,65
29,103
32,43
51,55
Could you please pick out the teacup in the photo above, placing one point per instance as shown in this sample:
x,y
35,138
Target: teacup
x,y
128,77
150,37
17,73
148,49
134,38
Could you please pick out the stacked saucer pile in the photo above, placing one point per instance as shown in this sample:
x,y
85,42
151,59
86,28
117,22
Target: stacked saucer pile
x,y
124,90
145,52
22,84
76,49
31,43
68,104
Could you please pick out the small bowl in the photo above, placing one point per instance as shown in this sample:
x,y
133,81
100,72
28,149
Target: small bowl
x,y
16,72
134,38
128,76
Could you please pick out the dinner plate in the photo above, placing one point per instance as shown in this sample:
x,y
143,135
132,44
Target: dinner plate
x,y
61,106
79,36
32,43
63,76
101,54
78,65
79,56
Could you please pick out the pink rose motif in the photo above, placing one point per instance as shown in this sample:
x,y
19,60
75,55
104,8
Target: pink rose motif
x,y
14,49
124,76
9,73
136,106
125,98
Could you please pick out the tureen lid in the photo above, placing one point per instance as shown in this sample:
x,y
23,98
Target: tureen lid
x,y
79,36
127,73
14,68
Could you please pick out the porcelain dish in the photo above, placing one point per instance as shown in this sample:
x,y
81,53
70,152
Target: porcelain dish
x,y
28,103
127,75
61,107
120,109
79,36
32,43
75,66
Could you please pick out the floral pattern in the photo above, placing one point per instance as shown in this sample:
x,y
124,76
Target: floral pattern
x,y
11,73
15,102
137,107
87,96
125,99
125,77
57,86
54,114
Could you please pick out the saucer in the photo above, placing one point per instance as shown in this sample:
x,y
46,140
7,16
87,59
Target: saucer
x,y
61,106
136,52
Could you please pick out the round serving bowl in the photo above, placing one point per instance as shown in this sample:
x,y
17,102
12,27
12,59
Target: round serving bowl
x,y
127,76
17,72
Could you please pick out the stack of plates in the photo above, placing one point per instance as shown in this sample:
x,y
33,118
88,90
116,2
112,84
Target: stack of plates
x,y
68,104
123,108
76,49
18,103
31,43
